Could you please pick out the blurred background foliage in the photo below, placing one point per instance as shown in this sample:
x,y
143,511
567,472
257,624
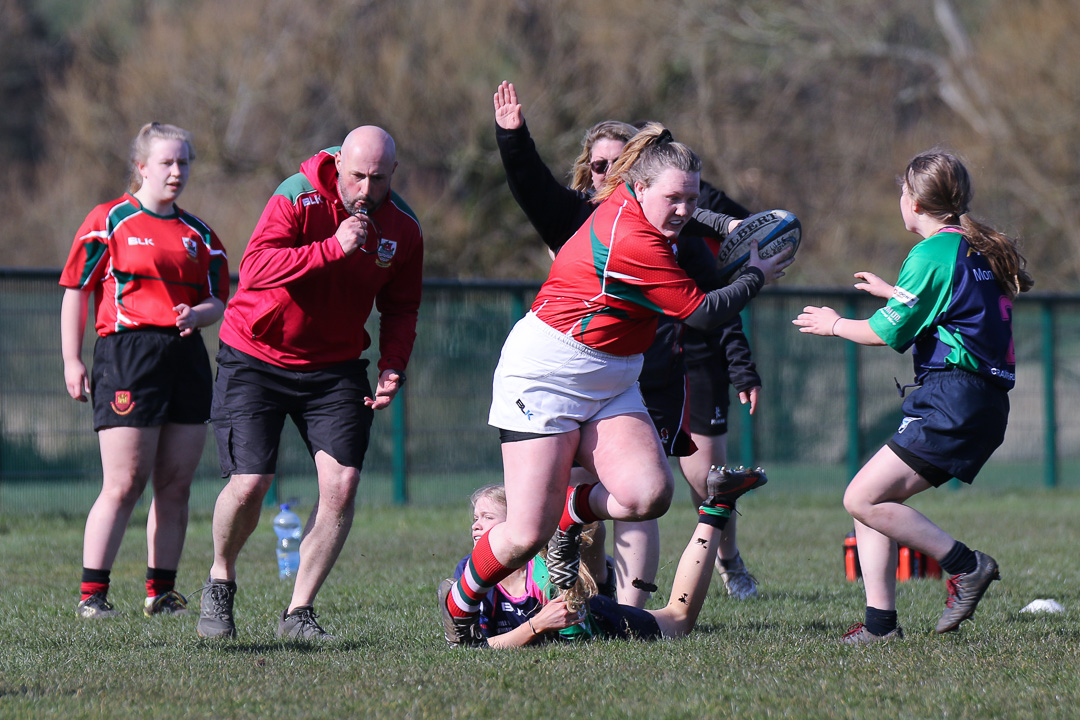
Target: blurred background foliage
x,y
810,105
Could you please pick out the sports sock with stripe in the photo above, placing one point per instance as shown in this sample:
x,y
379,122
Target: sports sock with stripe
x,y
159,581
93,582
482,572
577,510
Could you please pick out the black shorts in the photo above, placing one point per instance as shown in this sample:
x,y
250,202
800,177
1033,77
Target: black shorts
x,y
952,424
623,621
709,401
668,408
150,377
252,399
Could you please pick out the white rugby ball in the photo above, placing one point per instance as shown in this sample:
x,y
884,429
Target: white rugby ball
x,y
772,231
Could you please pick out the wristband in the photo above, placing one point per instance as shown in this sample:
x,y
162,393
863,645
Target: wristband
x,y
531,627
833,331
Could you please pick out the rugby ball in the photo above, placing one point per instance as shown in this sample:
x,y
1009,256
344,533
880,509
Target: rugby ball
x,y
772,231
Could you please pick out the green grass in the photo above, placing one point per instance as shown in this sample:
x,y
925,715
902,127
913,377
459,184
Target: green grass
x,y
775,657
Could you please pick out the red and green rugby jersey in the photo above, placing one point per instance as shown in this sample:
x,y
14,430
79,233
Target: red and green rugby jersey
x,y
612,280
141,265
947,303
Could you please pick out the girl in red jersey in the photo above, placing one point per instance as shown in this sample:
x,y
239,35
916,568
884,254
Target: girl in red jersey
x,y
157,274
566,385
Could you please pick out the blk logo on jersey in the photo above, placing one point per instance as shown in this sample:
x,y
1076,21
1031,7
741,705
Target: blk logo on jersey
x,y
141,241
192,248
122,404
386,251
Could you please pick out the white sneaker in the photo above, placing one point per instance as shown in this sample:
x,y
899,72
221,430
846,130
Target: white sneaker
x,y
738,581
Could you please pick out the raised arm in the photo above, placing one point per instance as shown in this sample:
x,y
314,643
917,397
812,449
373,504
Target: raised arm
x,y
555,211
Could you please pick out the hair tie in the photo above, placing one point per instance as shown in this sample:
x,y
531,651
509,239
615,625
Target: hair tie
x,y
664,137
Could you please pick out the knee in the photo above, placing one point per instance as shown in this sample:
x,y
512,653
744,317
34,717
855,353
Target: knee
x,y
249,489
650,502
856,503
338,490
124,492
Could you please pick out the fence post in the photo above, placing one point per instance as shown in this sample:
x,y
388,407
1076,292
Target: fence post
x,y
399,458
746,436
851,366
1049,403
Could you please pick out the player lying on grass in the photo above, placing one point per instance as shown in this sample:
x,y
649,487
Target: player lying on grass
x,y
526,608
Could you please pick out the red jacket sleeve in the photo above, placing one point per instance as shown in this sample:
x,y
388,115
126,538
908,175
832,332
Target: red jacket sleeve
x,y
274,255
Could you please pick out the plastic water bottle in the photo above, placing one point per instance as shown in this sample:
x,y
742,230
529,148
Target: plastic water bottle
x,y
288,529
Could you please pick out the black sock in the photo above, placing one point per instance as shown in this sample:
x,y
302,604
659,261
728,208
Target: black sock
x,y
880,622
715,515
95,576
730,562
960,559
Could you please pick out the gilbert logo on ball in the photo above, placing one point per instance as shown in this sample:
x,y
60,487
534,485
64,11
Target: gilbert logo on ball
x,y
771,231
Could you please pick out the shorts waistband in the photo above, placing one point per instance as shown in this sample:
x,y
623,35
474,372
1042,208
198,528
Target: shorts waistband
x,y
541,326
156,329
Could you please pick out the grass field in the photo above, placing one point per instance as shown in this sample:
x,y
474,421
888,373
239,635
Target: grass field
x,y
774,657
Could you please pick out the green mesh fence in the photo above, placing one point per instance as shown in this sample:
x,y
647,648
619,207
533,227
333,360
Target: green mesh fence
x,y
826,405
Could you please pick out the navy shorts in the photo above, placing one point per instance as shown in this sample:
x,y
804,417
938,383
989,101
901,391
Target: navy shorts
x,y
623,621
252,398
668,408
952,424
150,377
709,401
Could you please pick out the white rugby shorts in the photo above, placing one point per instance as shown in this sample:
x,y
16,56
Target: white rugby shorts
x,y
548,383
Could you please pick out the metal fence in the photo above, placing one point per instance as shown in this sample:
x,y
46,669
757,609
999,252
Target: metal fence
x,y
826,405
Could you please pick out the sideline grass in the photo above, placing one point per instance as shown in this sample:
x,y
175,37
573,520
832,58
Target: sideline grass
x,y
773,657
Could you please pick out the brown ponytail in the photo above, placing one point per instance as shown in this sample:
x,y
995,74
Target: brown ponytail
x,y
940,184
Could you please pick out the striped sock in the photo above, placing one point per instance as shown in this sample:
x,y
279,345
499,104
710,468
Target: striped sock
x,y
481,573
93,582
715,515
577,510
159,582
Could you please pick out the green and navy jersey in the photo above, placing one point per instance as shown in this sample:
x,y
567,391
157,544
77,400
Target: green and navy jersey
x,y
141,265
947,303
613,279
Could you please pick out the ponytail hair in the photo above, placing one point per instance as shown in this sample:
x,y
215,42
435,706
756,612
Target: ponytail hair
x,y
580,174
938,181
645,157
140,147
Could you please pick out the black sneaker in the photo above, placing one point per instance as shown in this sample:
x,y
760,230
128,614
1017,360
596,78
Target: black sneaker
x,y
216,610
459,632
609,587
300,624
725,485
965,590
96,607
857,634
564,557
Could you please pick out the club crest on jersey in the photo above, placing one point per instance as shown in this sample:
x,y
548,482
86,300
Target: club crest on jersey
x,y
192,248
386,251
123,404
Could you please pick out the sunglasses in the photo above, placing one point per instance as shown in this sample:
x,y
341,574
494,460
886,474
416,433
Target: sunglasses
x,y
599,166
